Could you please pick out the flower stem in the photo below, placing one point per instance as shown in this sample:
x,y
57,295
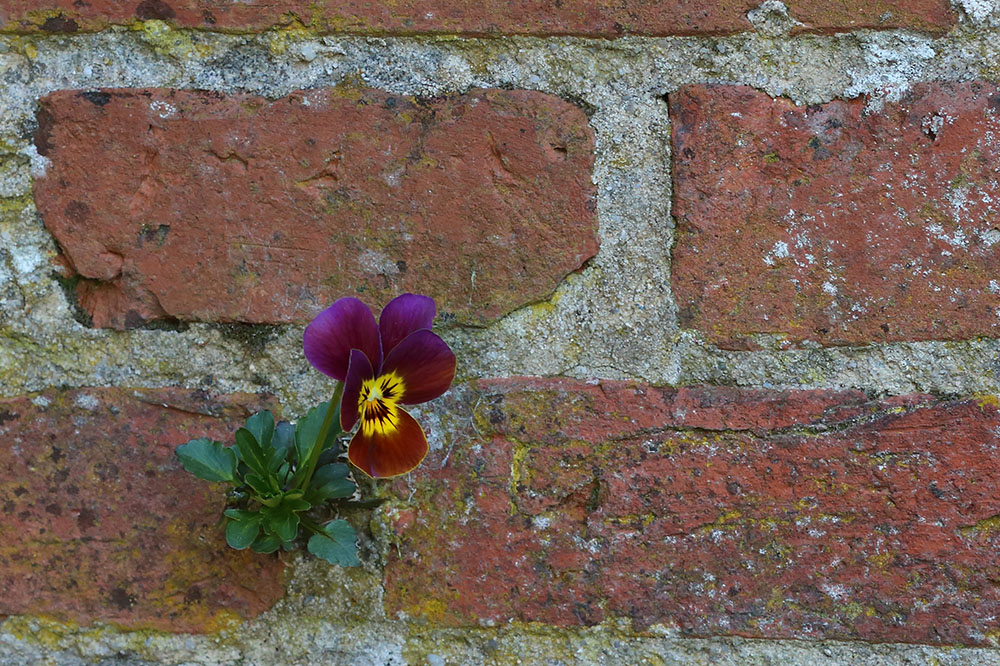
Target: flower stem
x,y
324,432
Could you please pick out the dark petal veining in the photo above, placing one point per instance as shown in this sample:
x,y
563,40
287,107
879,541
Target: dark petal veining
x,y
358,371
426,365
383,455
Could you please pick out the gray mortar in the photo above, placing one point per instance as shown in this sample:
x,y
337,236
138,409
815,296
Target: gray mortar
x,y
614,319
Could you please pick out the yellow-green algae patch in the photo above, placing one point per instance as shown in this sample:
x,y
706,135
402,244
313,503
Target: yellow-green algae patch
x,y
55,635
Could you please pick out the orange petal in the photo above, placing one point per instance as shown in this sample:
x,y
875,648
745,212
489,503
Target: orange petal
x,y
381,455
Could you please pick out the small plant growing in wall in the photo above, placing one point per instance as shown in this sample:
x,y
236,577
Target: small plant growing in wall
x,y
281,474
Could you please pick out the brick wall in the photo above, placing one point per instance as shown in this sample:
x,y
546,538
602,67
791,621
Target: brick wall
x,y
722,278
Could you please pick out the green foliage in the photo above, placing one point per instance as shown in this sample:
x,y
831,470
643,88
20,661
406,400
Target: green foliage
x,y
276,483
336,544
208,460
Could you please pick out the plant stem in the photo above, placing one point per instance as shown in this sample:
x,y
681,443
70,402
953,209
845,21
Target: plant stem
x,y
324,432
310,525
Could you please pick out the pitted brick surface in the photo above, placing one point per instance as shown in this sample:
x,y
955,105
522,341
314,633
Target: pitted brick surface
x,y
831,224
200,206
101,524
775,514
493,17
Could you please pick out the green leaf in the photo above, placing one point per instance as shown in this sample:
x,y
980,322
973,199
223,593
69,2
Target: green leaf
x,y
331,472
337,545
243,531
239,514
261,426
207,460
330,482
251,453
336,489
266,543
283,520
307,431
260,485
284,439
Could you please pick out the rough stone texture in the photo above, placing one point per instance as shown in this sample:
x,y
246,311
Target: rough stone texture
x,y
614,319
831,224
101,523
495,17
812,514
231,208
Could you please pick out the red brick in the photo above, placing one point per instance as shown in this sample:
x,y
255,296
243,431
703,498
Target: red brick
x,y
100,522
799,514
206,207
831,224
492,17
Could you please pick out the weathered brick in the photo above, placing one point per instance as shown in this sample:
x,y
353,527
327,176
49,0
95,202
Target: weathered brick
x,y
491,17
796,514
831,224
100,522
206,207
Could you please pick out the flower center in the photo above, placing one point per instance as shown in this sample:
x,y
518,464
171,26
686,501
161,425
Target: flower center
x,y
378,404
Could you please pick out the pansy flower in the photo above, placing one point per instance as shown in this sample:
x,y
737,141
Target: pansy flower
x,y
397,361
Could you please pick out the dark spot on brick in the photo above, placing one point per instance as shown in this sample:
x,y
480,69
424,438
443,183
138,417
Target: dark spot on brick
x,y
157,235
885,328
733,488
96,97
591,204
208,17
86,519
688,153
6,416
193,595
390,103
134,320
821,154
61,475
60,24
20,491
53,510
937,492
814,142
154,9
586,614
43,136
121,598
8,506
401,266
56,454
994,102
106,471
72,490
77,211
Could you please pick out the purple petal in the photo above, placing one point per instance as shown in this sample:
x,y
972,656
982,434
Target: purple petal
x,y
359,369
403,315
390,454
347,324
426,365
